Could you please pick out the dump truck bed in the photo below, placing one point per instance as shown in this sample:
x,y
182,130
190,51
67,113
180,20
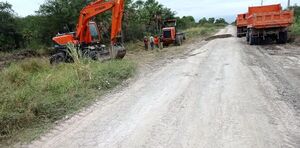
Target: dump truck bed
x,y
263,9
241,20
269,16
271,19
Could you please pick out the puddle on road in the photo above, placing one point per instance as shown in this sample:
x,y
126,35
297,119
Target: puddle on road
x,y
221,36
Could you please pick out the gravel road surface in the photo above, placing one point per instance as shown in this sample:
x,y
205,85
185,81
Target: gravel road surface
x,y
223,93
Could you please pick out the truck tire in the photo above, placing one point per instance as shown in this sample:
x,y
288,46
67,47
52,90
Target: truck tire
x,y
178,41
247,37
283,37
238,33
253,40
93,55
57,58
259,40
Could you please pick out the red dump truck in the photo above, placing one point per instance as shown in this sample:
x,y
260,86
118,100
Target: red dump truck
x,y
241,24
268,22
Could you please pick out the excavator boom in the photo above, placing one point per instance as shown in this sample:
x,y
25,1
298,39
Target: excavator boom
x,y
95,8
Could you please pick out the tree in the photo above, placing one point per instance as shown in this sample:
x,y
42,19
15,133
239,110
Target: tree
x,y
186,22
203,21
10,38
211,20
221,21
58,15
297,12
142,17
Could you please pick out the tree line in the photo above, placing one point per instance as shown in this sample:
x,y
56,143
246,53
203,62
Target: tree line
x,y
35,31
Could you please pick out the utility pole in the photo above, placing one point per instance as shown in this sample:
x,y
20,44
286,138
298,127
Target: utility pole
x,y
262,2
289,4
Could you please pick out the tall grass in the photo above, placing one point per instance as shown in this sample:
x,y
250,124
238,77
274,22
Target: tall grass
x,y
202,30
34,93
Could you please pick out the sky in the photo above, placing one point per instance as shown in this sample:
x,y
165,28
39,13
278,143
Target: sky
x,y
197,8
25,7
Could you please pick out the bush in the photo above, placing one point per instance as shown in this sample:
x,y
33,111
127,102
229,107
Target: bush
x,y
296,28
34,93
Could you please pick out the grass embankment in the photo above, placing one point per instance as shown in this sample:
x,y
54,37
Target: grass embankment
x,y
202,30
35,94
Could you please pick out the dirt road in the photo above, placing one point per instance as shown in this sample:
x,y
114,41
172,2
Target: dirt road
x,y
222,94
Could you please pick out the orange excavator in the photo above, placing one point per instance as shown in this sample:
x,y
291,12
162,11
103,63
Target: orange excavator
x,y
87,35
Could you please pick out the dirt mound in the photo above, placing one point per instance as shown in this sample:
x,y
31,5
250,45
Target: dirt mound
x,y
219,37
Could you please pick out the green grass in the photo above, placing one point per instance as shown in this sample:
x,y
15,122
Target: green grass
x,y
135,46
202,30
35,94
296,28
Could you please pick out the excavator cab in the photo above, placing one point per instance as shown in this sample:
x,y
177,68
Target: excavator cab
x,y
93,36
94,31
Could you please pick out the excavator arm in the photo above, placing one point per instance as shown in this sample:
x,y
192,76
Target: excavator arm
x,y
95,8
83,34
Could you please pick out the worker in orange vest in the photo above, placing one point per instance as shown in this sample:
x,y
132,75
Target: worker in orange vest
x,y
156,41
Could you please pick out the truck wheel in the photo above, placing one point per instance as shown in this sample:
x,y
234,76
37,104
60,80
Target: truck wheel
x,y
253,40
247,37
283,37
258,40
93,55
57,58
178,41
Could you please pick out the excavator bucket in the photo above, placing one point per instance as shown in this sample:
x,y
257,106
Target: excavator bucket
x,y
117,51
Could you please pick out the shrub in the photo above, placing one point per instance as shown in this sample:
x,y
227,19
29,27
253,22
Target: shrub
x,y
296,28
34,93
